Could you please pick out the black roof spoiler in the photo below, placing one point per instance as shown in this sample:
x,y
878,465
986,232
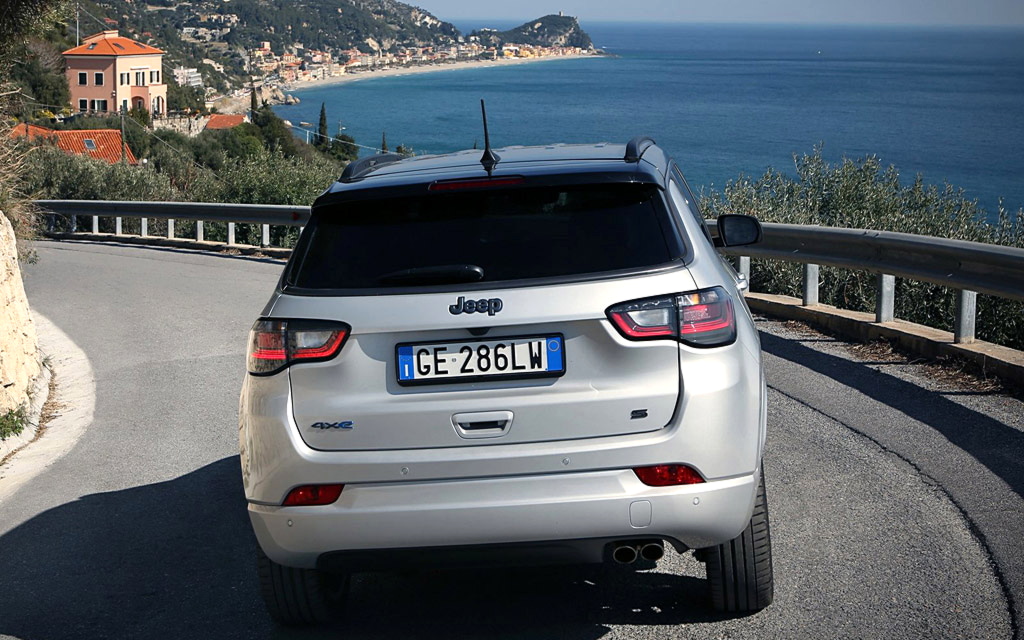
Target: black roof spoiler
x,y
359,168
635,148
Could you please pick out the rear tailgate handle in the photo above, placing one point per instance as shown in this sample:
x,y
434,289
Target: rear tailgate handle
x,y
483,424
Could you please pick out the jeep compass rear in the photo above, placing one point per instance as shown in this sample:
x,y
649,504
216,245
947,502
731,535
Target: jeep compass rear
x,y
543,360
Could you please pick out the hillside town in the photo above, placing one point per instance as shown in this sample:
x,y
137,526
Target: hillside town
x,y
296,65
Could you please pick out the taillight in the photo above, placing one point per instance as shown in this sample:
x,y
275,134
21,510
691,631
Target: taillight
x,y
668,475
275,344
313,495
702,318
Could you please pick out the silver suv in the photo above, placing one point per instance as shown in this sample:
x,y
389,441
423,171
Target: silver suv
x,y
534,358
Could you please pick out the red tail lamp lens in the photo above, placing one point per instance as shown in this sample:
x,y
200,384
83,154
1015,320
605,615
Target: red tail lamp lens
x,y
276,344
702,318
667,475
313,495
706,318
645,319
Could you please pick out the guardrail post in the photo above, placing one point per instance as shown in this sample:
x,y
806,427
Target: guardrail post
x,y
95,224
144,227
199,230
885,298
966,312
810,285
266,235
231,233
117,226
743,266
170,228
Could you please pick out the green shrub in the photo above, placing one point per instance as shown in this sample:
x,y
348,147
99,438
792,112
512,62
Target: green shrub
x,y
863,195
12,423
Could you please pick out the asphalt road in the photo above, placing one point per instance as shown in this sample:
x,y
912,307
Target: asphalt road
x,y
896,504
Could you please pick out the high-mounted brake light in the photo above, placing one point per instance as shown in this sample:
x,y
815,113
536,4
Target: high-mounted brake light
x,y
668,475
702,318
313,495
275,344
475,183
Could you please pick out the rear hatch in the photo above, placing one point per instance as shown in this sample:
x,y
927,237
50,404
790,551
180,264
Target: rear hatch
x,y
478,317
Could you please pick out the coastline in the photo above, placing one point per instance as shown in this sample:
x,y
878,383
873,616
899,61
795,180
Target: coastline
x,y
240,104
425,68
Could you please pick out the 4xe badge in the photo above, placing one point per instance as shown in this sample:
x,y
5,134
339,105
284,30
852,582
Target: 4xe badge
x,y
345,424
484,305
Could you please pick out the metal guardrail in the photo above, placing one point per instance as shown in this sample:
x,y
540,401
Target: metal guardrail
x,y
969,267
230,213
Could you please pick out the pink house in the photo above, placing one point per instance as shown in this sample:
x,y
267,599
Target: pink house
x,y
107,73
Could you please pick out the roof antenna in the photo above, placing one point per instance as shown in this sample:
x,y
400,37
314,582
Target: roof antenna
x,y
489,159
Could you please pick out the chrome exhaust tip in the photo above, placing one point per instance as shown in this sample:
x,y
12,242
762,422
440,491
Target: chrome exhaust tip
x,y
624,554
652,551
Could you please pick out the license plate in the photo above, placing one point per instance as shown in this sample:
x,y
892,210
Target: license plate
x,y
470,360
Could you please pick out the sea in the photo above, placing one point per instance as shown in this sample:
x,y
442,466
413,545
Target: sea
x,y
729,100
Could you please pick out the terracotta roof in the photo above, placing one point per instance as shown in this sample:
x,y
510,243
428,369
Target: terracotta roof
x,y
102,144
30,131
108,43
224,121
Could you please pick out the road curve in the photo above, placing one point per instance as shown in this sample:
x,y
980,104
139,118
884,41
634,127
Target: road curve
x,y
895,508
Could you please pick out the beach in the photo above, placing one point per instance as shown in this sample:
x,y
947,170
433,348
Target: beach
x,y
240,103
426,68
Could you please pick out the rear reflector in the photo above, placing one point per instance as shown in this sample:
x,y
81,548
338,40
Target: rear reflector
x,y
668,475
475,183
313,495
702,318
276,344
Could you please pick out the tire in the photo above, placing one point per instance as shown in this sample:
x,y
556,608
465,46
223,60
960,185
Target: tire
x,y
300,597
740,576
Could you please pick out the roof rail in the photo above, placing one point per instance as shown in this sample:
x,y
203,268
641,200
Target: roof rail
x,y
359,168
636,147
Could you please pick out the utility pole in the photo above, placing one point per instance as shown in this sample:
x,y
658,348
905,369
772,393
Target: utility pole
x,y
124,153
77,39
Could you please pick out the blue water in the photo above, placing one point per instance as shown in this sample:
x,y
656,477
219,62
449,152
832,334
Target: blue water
x,y
728,100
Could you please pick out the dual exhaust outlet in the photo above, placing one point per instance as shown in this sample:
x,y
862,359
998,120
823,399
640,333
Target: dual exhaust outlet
x,y
629,552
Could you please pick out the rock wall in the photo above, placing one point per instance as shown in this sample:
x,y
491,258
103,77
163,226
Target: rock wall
x,y
19,359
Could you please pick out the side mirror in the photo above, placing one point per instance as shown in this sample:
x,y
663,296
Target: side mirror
x,y
738,230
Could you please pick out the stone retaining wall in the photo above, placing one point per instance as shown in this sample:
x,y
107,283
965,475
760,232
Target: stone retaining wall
x,y
19,355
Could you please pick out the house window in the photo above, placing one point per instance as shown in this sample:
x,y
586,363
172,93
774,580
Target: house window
x,y
101,105
124,106
140,78
98,77
83,104
154,77
90,144
92,105
83,78
126,78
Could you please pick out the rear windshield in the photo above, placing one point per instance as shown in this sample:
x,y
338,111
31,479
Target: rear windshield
x,y
507,235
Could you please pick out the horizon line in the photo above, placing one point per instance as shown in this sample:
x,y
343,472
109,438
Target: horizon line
x,y
766,23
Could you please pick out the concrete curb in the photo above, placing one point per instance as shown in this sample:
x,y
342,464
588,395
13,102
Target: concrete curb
x,y
76,395
176,243
37,398
992,359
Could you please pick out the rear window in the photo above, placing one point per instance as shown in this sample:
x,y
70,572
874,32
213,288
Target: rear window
x,y
508,235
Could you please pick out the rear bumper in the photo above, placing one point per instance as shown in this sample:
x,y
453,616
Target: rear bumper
x,y
574,513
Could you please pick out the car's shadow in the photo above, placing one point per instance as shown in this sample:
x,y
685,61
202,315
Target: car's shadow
x,y
176,560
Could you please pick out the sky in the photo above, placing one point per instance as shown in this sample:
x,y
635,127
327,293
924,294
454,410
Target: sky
x,y
918,12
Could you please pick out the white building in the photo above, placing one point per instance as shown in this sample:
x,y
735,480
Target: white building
x,y
188,77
